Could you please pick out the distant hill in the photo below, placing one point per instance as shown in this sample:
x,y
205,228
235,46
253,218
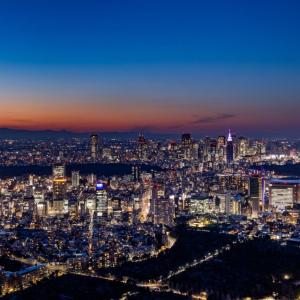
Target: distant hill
x,y
9,133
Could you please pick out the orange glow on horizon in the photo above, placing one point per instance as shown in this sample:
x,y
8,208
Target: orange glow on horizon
x,y
99,115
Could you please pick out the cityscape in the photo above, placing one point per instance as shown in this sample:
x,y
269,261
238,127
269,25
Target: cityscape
x,y
150,150
72,218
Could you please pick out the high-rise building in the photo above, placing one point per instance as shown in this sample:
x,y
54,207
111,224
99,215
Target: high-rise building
x,y
256,193
164,211
162,208
38,196
242,146
187,146
30,179
39,202
59,171
145,203
212,150
260,148
228,204
59,188
101,199
206,146
236,207
91,178
229,148
136,172
41,209
284,193
57,205
186,139
195,151
116,208
221,142
281,197
142,147
75,178
94,141
223,203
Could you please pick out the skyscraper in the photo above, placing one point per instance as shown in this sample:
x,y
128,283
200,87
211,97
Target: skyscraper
x,y
221,142
102,199
228,204
162,207
256,193
59,190
186,139
58,171
94,146
195,151
142,147
75,178
242,146
186,143
136,172
229,148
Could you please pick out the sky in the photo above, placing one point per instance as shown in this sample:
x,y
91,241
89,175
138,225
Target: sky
x,y
160,66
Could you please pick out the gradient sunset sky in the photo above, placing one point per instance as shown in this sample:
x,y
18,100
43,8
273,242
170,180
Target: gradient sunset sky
x,y
158,65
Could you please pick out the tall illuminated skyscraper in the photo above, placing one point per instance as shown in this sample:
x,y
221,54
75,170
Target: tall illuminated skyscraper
x,y
221,142
59,190
242,146
229,148
102,199
94,141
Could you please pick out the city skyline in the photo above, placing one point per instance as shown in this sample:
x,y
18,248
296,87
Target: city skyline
x,y
149,149
152,67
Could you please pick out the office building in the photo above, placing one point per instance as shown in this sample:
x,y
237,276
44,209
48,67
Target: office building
x,y
101,199
142,148
229,149
57,205
284,193
75,178
94,141
256,195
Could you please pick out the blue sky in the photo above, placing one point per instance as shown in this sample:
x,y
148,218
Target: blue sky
x,y
202,58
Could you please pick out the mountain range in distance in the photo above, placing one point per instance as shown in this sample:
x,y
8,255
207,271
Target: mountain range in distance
x,y
13,133
10,133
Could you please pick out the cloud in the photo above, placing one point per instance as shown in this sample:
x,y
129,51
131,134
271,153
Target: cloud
x,y
212,119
